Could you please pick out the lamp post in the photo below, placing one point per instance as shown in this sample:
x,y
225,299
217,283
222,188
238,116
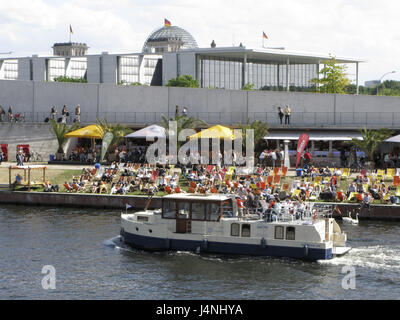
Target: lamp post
x,y
377,87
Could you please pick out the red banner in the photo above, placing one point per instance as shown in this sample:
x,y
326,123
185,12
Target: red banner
x,y
301,145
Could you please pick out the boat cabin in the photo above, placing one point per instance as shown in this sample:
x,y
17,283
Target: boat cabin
x,y
186,208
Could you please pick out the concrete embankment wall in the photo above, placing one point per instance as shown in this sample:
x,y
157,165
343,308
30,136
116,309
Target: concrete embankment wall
x,y
141,105
377,212
38,136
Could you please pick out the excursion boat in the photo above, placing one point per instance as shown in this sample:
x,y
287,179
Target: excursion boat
x,y
213,224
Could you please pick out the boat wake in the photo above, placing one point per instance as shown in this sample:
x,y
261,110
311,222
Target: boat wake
x,y
374,257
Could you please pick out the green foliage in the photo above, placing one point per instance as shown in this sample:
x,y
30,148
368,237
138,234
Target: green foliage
x,y
69,79
183,81
371,140
60,130
125,83
334,78
260,131
183,122
248,87
119,131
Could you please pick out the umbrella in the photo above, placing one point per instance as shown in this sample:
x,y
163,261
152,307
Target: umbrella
x,y
152,132
217,131
90,132
393,139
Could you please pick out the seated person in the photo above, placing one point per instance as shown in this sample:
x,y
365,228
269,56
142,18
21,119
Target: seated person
x,y
18,181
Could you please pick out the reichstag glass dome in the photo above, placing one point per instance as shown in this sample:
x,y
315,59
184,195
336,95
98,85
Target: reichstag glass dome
x,y
170,39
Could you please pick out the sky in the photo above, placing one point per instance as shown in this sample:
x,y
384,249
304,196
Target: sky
x,y
363,29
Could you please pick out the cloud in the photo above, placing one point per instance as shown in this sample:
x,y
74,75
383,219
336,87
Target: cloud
x,y
353,28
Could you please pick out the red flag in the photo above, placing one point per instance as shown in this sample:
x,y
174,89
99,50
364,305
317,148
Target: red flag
x,y
301,145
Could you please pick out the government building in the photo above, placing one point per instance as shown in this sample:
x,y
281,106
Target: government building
x,y
171,51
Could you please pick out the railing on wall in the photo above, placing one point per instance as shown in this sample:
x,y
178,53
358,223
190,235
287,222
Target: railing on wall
x,y
309,119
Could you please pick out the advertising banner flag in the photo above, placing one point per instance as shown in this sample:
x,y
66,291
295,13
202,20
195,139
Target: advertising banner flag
x,y
301,145
105,144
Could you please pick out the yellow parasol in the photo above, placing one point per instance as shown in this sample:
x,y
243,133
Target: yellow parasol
x,y
90,132
217,131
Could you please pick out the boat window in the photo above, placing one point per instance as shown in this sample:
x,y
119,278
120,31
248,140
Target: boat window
x,y
235,229
198,211
245,230
183,210
290,233
212,211
169,209
142,218
279,231
227,210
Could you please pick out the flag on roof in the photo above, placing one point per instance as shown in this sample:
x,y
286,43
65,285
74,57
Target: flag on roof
x,y
264,35
70,29
167,23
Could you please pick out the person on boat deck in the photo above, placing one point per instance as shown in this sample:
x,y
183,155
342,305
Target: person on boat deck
x,y
240,205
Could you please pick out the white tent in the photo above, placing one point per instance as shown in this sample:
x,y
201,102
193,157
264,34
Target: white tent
x,y
393,139
150,132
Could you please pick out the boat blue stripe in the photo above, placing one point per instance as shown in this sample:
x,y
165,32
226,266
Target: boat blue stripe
x,y
152,243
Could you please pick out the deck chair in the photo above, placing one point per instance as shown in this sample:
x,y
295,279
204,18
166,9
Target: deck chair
x,y
390,173
177,190
68,187
284,171
380,173
192,190
295,194
359,197
396,180
346,173
277,179
168,189
214,190
318,179
276,170
340,196
397,194
270,179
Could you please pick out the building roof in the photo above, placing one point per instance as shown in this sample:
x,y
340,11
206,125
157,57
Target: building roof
x,y
328,135
301,57
171,33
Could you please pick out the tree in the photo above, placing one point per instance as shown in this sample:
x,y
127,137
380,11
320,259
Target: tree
x,y
260,131
371,139
248,87
334,78
183,122
119,131
183,81
60,130
69,79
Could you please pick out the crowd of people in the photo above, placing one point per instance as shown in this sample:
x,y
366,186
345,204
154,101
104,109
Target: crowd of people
x,y
11,117
65,115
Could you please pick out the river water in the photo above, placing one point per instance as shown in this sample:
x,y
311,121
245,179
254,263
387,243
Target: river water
x,y
91,263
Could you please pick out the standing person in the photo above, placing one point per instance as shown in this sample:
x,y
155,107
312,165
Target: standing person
x,y
1,156
10,114
20,158
184,111
78,113
64,114
53,113
274,157
176,111
287,115
2,113
280,114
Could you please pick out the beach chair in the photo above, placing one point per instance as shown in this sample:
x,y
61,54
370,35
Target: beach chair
x,y
269,180
214,190
380,173
177,190
285,187
277,179
295,194
359,197
284,171
396,180
352,196
346,173
390,173
397,194
68,187
192,190
168,189
386,198
339,195
276,170
318,180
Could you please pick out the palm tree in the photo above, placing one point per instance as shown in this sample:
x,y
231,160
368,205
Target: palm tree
x,y
60,130
183,122
119,131
371,139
